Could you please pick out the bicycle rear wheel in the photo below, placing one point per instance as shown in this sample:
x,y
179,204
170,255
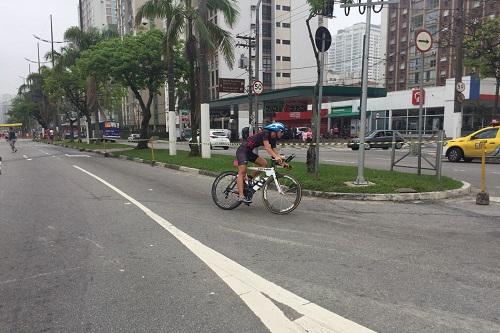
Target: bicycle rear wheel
x,y
225,190
278,203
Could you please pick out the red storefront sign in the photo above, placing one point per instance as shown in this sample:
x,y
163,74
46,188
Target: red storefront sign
x,y
283,116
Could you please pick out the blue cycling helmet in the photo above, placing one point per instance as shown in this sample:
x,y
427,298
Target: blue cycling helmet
x,y
275,127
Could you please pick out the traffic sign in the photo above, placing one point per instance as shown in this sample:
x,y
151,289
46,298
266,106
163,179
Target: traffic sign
x,y
231,85
423,40
321,33
460,97
460,87
257,87
415,97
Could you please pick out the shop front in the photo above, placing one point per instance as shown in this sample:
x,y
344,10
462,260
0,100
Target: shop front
x,y
301,119
344,123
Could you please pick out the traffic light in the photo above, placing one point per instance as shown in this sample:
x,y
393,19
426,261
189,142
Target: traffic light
x,y
328,8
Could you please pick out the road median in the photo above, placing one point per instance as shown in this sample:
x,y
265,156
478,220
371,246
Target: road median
x,y
330,184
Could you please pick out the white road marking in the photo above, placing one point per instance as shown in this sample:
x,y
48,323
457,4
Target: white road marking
x,y
336,161
25,157
495,199
459,170
69,155
251,287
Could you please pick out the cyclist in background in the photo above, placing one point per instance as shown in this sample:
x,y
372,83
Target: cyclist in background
x,y
267,138
12,138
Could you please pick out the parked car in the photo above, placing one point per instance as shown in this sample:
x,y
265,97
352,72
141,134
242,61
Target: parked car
x,y
186,134
472,145
378,139
218,138
134,137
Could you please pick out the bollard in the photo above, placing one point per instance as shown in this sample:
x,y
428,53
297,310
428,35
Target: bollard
x,y
152,153
483,198
105,151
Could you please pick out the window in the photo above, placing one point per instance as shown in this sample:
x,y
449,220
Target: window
x,y
278,74
433,63
278,7
266,79
486,134
286,8
266,63
286,41
266,13
278,24
266,45
286,59
286,74
278,58
266,29
286,25
278,41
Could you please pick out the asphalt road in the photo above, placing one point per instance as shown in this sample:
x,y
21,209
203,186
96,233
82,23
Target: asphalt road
x,y
117,246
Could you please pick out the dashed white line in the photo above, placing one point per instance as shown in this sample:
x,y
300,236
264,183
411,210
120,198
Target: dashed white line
x,y
253,289
69,155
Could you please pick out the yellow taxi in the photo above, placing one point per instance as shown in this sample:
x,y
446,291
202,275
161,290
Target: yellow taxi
x,y
471,146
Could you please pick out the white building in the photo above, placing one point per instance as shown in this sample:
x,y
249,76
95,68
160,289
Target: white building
x,y
397,112
345,59
100,14
4,107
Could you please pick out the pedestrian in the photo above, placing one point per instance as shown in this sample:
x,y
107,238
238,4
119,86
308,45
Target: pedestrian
x,y
12,138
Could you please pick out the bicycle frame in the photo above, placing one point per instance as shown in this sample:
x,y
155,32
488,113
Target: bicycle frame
x,y
270,172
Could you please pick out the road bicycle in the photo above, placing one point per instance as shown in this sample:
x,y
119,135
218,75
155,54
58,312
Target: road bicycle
x,y
281,193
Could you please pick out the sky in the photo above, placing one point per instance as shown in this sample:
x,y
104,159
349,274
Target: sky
x,y
20,19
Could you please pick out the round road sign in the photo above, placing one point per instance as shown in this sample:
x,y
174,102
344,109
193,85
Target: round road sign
x,y
323,33
257,87
460,97
460,87
423,40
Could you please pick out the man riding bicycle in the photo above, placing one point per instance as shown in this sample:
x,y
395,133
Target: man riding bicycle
x,y
244,154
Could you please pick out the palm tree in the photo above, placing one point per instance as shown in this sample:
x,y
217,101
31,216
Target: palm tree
x,y
80,41
202,35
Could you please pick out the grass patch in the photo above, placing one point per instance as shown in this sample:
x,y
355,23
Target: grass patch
x,y
332,177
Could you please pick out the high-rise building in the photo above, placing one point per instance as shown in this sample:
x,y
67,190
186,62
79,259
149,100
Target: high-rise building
x,y
286,57
345,58
4,107
100,14
441,18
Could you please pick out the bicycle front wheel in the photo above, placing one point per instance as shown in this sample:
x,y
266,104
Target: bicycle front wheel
x,y
225,190
285,202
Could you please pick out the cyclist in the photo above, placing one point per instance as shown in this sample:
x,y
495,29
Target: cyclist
x,y
12,139
267,137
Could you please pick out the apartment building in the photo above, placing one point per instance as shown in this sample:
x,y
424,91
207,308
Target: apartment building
x,y
99,14
345,58
440,18
286,56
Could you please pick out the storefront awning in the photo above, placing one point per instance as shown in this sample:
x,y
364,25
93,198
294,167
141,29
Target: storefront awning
x,y
344,111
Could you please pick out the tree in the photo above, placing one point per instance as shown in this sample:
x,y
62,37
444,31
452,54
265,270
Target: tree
x,y
202,34
134,62
80,41
316,8
482,50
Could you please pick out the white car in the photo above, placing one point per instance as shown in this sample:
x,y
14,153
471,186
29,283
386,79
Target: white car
x,y
218,138
133,137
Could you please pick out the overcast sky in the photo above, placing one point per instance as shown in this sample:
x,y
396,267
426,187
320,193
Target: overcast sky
x,y
20,19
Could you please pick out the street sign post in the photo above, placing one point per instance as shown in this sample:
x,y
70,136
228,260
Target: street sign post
x,y
231,85
423,43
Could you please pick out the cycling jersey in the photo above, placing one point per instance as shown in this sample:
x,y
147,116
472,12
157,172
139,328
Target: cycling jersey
x,y
244,153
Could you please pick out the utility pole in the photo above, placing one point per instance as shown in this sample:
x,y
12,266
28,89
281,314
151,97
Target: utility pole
x,y
80,14
38,48
250,44
459,66
257,59
52,41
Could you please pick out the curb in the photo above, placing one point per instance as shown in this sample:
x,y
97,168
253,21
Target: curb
x,y
400,197
396,197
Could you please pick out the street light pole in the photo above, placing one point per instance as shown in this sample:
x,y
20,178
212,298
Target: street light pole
x,y
52,41
257,59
